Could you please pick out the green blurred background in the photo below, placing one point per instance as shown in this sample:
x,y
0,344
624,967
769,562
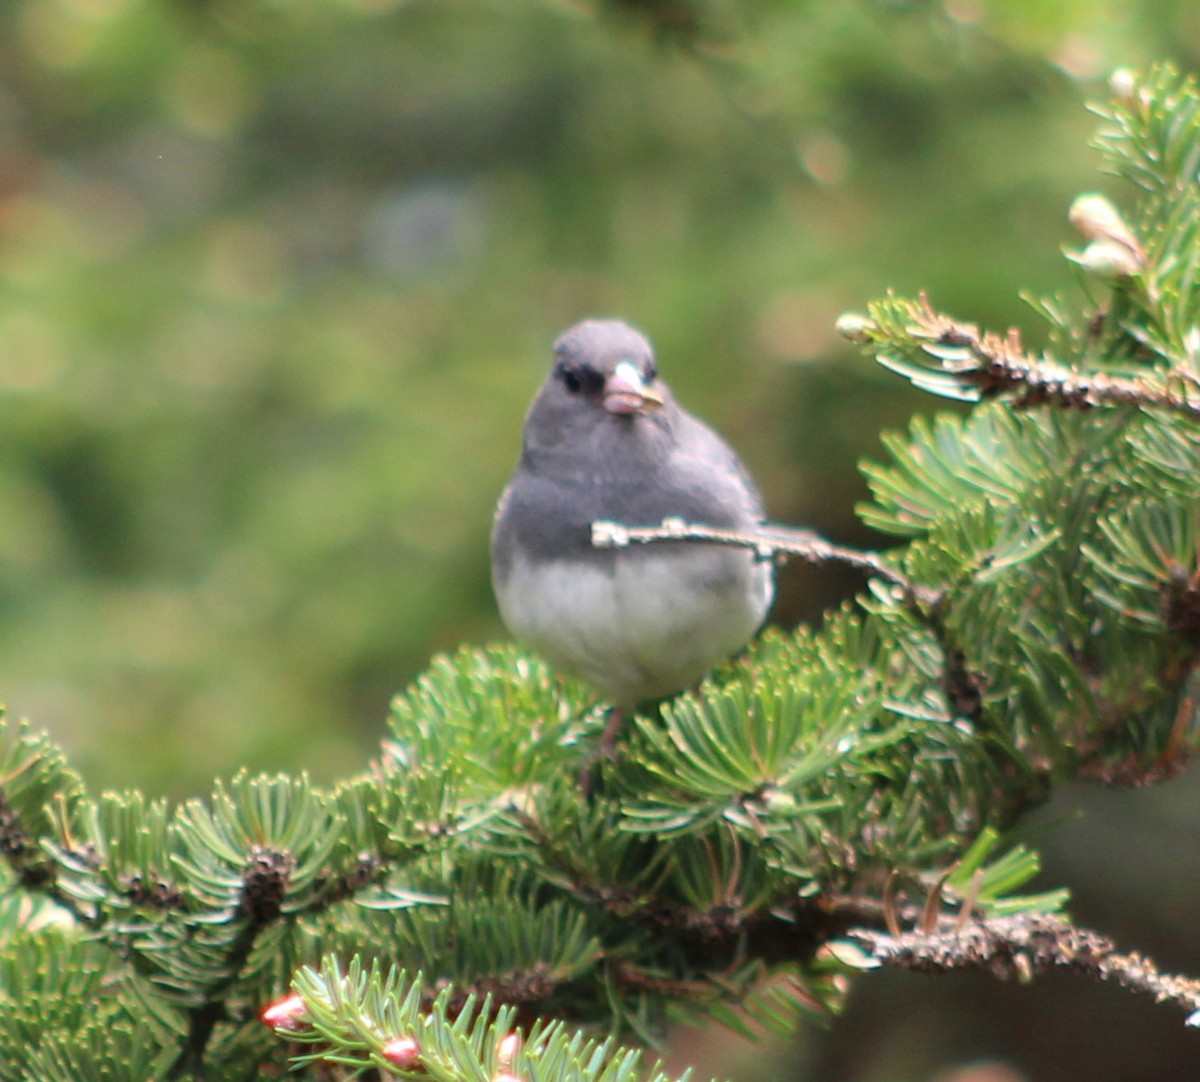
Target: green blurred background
x,y
278,280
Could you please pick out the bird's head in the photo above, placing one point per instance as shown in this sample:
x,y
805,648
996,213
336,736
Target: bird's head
x,y
603,390
607,365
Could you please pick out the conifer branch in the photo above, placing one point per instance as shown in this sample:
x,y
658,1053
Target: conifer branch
x,y
956,359
32,869
1024,945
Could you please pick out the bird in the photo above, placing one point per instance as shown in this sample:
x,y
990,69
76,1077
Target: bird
x,y
605,440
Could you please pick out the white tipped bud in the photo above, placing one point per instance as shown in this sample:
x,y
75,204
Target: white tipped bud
x,y
1097,219
402,1052
854,326
506,1051
287,1013
1122,83
1109,262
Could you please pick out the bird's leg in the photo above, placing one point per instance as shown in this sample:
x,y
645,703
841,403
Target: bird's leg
x,y
605,749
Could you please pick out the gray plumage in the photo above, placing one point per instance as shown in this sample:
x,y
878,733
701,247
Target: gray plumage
x,y
604,439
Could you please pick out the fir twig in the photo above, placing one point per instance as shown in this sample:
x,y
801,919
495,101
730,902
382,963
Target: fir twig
x,y
959,360
1024,945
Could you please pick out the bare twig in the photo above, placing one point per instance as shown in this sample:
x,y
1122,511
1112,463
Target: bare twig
x,y
1024,945
768,541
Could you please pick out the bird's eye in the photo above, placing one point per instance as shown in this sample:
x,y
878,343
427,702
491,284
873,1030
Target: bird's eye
x,y
651,372
580,377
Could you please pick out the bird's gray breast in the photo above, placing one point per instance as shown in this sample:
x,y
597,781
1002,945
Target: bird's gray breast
x,y
647,620
638,624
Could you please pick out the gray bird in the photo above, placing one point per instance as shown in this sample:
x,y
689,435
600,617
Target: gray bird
x,y
604,439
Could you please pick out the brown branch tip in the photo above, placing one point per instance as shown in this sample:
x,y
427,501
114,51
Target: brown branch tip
x,y
1024,945
998,364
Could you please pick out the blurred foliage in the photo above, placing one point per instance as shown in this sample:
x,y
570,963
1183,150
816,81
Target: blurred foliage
x,y
277,281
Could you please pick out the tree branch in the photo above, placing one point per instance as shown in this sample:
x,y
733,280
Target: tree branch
x,y
768,541
1025,945
988,365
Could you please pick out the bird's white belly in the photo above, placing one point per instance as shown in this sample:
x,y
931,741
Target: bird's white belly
x,y
648,625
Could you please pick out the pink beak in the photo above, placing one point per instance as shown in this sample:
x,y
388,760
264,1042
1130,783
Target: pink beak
x,y
625,392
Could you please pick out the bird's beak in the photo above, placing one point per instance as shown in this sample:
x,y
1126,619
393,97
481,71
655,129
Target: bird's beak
x,y
625,391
